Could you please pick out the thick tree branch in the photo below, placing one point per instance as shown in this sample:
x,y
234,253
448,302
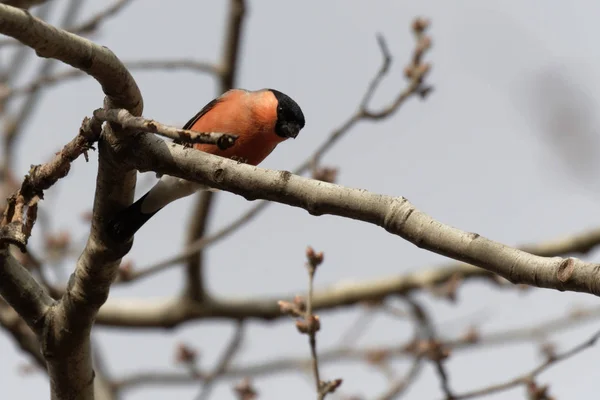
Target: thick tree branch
x,y
395,214
171,312
97,61
65,340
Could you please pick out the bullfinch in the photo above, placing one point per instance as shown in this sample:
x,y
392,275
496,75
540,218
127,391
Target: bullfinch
x,y
261,119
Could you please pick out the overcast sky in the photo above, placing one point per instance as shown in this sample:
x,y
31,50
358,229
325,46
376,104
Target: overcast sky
x,y
505,146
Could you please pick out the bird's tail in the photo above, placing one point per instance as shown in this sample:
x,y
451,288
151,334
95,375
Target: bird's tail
x,y
128,221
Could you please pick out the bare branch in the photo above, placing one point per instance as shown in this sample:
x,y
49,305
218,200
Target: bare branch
x,y
41,178
395,214
197,245
142,65
434,350
94,22
15,68
194,284
125,119
351,353
310,324
22,291
400,385
12,322
173,312
529,377
15,126
95,60
65,341
383,70
233,38
226,358
86,27
197,225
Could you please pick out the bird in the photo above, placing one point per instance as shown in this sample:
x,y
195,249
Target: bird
x,y
261,119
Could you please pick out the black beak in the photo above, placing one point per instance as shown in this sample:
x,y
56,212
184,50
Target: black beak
x,y
293,130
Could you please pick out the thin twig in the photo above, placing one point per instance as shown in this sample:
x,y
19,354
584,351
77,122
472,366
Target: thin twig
x,y
224,361
400,385
124,118
87,26
44,82
310,324
529,377
383,70
353,354
312,332
94,21
26,110
434,350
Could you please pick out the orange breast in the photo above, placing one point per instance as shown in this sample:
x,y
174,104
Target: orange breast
x,y
241,115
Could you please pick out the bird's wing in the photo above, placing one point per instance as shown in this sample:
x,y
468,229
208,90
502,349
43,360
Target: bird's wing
x,y
195,118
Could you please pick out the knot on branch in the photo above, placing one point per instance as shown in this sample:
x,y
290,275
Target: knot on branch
x,y
13,233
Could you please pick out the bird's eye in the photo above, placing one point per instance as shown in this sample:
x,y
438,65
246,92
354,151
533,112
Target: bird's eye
x,y
279,108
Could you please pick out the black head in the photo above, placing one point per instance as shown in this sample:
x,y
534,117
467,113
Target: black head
x,y
290,119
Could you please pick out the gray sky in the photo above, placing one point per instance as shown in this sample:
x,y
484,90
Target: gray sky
x,y
505,146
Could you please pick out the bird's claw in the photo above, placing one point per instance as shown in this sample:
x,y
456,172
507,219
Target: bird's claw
x,y
240,160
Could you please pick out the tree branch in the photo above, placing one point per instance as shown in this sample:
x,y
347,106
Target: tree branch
x,y
65,336
61,77
224,361
21,214
395,214
97,61
85,27
94,22
194,284
528,378
22,291
26,110
172,312
352,353
12,322
125,119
